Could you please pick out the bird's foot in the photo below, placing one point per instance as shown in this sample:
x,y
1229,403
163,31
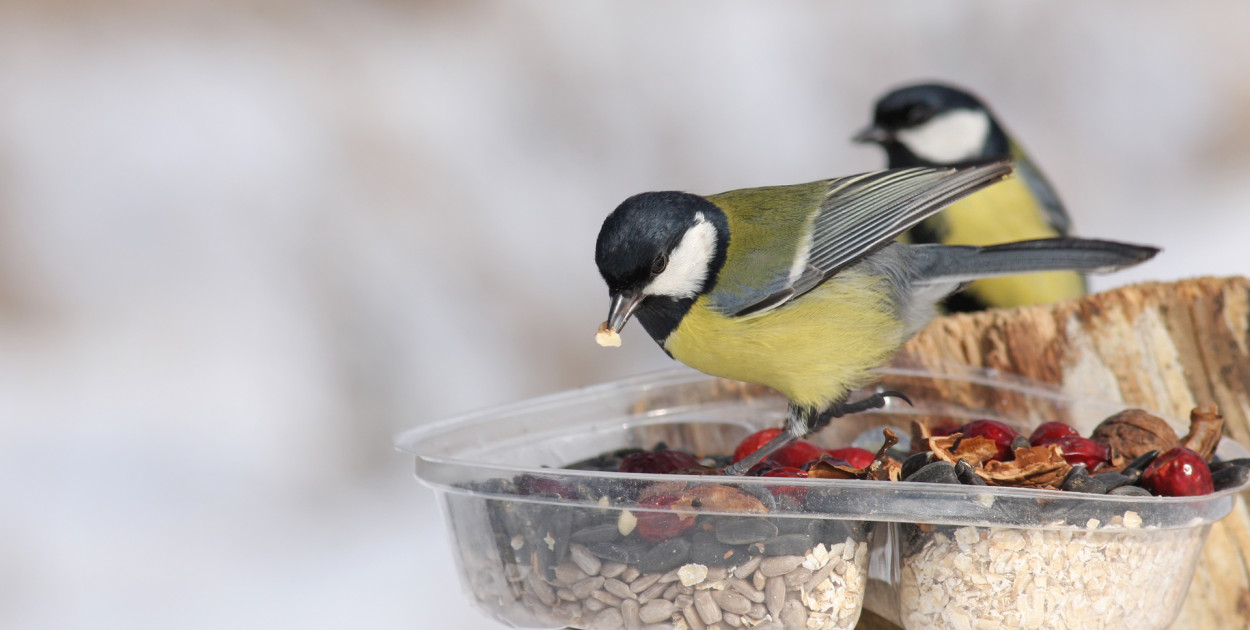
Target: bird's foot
x,y
839,409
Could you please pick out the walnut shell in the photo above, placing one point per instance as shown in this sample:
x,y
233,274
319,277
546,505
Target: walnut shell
x,y
1134,432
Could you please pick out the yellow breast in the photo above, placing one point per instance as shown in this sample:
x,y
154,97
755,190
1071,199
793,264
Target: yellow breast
x,y
1004,213
814,350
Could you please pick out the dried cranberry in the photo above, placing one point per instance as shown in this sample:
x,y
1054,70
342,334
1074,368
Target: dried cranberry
x,y
764,466
1179,472
797,453
854,456
529,484
794,454
1050,432
1079,450
657,462
753,442
1001,434
796,492
661,525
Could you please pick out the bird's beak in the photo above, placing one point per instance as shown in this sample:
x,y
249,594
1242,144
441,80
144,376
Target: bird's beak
x,y
623,306
873,134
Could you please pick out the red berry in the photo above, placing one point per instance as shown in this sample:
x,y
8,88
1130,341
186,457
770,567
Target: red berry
x,y
1050,432
943,428
1001,434
529,484
764,466
1079,450
753,442
793,491
661,525
1179,472
657,462
795,454
854,456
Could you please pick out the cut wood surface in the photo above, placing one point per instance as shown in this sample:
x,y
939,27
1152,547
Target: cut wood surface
x,y
1167,347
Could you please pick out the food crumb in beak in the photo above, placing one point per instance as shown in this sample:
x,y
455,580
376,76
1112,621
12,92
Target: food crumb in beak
x,y
607,337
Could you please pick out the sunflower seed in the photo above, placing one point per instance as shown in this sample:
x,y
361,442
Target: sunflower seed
x,y
656,611
732,601
708,611
630,614
779,565
584,560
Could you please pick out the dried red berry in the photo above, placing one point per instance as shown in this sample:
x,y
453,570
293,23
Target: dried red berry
x,y
661,525
764,466
792,491
529,484
795,454
657,462
753,442
798,453
1179,472
854,456
1001,434
1049,432
1078,450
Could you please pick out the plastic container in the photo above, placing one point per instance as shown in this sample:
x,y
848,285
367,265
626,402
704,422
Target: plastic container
x,y
539,546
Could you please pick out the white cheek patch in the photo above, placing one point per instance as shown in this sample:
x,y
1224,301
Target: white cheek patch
x,y
954,136
688,264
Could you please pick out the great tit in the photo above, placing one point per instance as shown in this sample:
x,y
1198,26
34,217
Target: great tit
x,y
803,288
937,125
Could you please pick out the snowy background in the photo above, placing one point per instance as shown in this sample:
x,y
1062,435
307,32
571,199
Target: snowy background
x,y
244,244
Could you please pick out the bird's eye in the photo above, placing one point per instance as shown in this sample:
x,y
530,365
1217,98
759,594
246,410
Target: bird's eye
x,y
658,265
917,114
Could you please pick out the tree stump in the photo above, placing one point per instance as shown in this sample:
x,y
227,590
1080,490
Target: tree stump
x,y
1167,347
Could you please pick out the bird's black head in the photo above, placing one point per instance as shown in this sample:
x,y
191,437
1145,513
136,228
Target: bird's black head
x,y
658,252
935,124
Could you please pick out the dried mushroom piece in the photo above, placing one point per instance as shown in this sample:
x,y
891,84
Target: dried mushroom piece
x,y
882,468
1033,467
890,470
954,447
827,468
1206,426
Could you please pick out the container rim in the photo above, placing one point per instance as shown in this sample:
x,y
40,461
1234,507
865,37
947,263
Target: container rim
x,y
412,440
437,447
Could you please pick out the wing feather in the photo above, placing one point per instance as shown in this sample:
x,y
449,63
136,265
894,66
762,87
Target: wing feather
x,y
862,213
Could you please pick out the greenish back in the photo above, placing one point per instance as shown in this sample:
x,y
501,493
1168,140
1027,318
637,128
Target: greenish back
x,y
766,228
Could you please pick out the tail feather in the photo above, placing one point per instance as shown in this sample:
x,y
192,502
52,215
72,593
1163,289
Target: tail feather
x,y
963,263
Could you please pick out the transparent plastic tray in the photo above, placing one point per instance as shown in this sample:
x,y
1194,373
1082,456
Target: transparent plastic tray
x,y
520,562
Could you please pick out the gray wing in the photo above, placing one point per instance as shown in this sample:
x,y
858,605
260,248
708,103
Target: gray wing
x,y
863,213
1056,216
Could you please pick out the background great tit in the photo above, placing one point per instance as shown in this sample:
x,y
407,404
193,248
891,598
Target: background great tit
x,y
938,125
803,288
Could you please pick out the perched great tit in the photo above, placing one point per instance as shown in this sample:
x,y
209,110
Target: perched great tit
x,y
937,125
803,288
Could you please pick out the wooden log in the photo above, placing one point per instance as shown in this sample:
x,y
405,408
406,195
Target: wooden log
x,y
1167,347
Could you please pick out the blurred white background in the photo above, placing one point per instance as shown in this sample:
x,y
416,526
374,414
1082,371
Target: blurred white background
x,y
243,244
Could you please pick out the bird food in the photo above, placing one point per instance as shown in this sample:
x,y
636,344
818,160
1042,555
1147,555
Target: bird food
x,y
1055,530
678,558
607,337
1099,566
